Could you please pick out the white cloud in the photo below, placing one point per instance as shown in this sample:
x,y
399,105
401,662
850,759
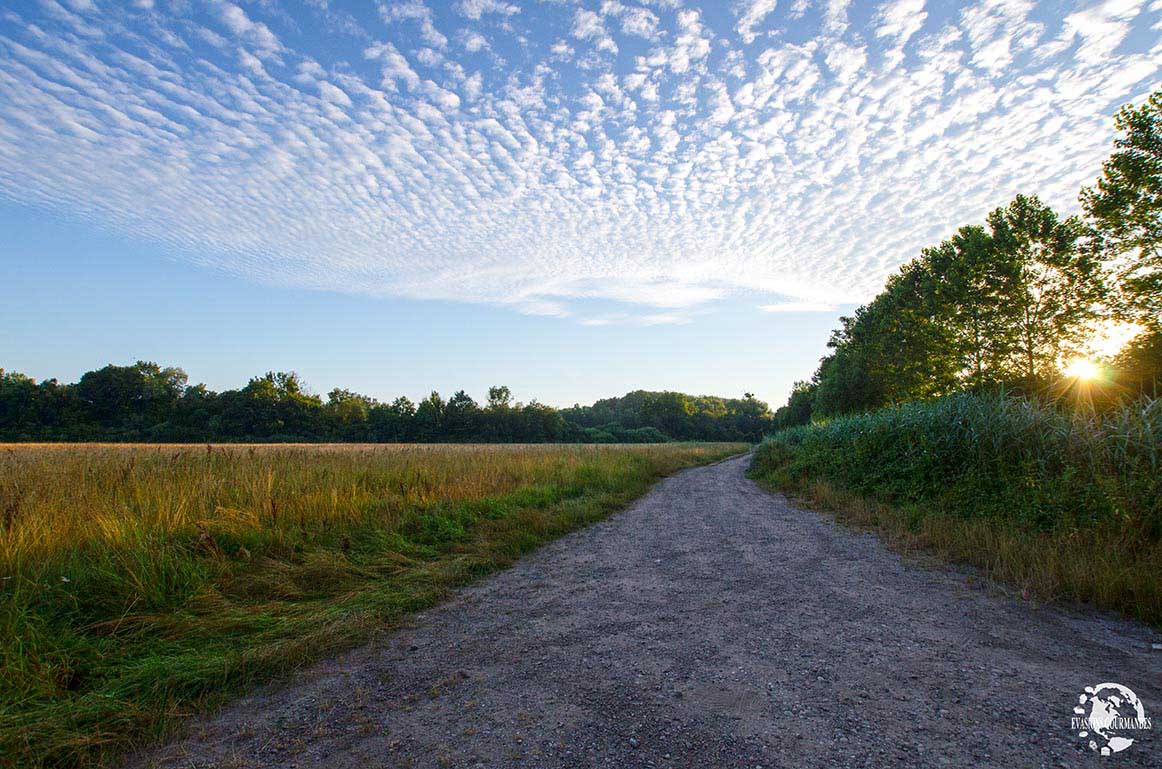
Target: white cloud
x,y
258,34
334,94
900,20
750,14
802,169
473,41
640,22
474,9
1102,28
799,307
395,66
588,25
634,20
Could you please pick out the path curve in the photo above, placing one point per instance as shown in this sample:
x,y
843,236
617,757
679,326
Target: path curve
x,y
711,624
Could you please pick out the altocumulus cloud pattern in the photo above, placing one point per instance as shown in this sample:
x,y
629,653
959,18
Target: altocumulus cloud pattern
x,y
656,154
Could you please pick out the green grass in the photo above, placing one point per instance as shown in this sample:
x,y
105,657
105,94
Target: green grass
x,y
141,584
1061,505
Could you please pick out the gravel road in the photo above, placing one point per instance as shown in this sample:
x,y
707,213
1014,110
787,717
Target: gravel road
x,y
711,624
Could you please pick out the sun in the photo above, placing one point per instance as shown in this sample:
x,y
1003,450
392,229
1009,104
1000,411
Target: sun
x,y
1083,370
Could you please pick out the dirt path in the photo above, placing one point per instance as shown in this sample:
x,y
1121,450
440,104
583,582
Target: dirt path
x,y
710,625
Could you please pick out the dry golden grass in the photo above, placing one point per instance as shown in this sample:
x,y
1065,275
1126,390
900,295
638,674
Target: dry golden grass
x,y
56,497
1102,566
140,582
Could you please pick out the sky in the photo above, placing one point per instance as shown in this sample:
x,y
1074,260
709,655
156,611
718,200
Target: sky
x,y
572,198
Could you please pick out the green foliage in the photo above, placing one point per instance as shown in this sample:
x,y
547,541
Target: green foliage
x,y
1053,288
986,306
674,415
1139,364
799,407
965,288
1125,208
1022,470
145,402
989,455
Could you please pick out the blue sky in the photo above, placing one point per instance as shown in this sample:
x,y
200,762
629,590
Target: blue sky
x,y
573,198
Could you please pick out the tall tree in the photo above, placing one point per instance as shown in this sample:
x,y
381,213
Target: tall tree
x,y
669,412
429,417
461,416
131,397
844,383
1053,291
1125,208
965,292
499,397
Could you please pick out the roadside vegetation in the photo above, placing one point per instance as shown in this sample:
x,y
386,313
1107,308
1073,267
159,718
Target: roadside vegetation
x,y
141,583
972,407
1059,504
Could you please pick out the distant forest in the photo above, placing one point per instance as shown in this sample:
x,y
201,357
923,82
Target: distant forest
x,y
1007,305
147,402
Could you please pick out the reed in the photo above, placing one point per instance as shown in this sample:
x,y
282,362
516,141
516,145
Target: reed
x,y
1062,504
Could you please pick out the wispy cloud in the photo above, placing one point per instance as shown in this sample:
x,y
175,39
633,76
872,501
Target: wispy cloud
x,y
798,307
541,155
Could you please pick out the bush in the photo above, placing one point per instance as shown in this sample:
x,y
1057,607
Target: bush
x,y
988,455
645,435
1068,503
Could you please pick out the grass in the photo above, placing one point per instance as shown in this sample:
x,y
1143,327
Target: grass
x,y
139,584
1060,505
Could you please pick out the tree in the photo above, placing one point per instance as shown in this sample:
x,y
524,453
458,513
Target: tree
x,y
907,345
798,408
499,397
539,423
347,407
349,414
429,418
1139,364
1125,209
460,417
20,407
843,382
669,412
966,288
275,406
1052,290
130,398
394,422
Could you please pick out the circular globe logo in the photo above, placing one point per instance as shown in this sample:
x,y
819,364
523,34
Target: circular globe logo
x,y
1108,715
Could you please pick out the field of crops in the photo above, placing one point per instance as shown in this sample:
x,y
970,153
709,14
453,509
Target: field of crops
x,y
1059,504
138,583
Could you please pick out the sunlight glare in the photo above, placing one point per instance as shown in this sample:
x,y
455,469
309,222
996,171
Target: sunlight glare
x,y
1112,337
1083,369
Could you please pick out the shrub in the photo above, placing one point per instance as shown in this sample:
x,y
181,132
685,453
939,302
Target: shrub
x,y
988,455
1068,503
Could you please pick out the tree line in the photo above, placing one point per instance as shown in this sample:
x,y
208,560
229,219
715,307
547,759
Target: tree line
x,y
148,402
1006,304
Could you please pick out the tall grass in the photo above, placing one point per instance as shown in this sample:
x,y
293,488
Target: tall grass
x,y
138,583
1061,504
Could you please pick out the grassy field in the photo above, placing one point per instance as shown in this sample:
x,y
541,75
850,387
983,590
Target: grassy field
x,y
1060,505
141,583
